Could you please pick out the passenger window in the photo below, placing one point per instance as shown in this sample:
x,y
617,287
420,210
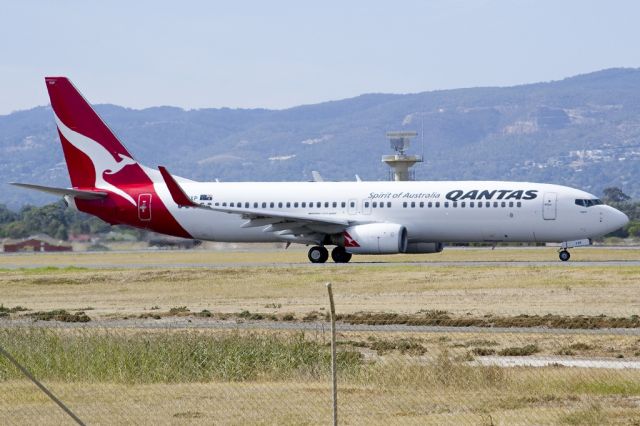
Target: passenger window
x,y
271,205
255,205
429,204
413,204
295,204
421,204
404,204
446,204
288,205
462,204
280,205
366,204
389,204
318,204
471,204
381,204
334,204
352,204
437,203
343,204
224,204
479,204
504,204
510,203
487,204
374,204
304,204
264,205
455,204
231,205
326,204
495,204
217,204
519,204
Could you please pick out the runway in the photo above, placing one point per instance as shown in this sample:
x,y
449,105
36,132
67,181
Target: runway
x,y
186,323
354,264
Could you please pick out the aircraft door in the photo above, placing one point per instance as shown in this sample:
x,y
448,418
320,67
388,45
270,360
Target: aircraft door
x,y
144,207
549,207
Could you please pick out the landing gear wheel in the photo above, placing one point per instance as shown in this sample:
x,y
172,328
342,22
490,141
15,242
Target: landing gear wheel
x,y
340,255
564,255
318,254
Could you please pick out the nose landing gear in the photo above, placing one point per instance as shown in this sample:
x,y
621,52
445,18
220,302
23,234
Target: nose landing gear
x,y
564,255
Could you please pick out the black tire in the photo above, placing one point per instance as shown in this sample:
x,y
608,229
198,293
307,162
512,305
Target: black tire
x,y
564,255
318,254
340,255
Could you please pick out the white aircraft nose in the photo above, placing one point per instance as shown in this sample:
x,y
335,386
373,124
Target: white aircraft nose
x,y
618,219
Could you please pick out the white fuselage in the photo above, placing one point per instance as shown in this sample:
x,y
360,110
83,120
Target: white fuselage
x,y
431,211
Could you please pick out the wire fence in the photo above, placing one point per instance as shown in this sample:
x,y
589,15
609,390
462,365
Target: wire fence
x,y
389,371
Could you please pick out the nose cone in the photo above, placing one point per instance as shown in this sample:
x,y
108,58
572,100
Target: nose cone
x,y
618,219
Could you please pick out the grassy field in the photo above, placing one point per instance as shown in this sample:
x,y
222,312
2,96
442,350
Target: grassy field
x,y
476,290
123,376
230,378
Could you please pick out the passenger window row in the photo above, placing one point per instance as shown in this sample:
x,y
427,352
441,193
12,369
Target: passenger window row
x,y
461,204
287,204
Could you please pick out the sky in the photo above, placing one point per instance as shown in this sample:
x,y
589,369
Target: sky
x,y
279,54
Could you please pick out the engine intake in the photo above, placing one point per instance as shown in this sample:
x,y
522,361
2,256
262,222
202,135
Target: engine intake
x,y
374,238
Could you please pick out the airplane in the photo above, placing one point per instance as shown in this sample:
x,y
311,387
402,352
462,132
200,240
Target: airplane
x,y
361,217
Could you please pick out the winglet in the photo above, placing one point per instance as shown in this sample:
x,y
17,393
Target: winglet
x,y
175,190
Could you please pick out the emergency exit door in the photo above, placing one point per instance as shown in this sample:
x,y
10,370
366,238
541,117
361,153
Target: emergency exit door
x,y
549,207
144,207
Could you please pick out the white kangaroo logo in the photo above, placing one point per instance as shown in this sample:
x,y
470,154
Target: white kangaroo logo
x,y
103,161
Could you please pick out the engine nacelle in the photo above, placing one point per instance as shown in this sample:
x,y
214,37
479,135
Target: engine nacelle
x,y
375,238
425,248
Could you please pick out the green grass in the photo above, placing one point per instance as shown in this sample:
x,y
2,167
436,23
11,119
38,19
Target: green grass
x,y
151,357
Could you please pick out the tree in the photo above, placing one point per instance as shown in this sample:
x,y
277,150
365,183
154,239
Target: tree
x,y
614,195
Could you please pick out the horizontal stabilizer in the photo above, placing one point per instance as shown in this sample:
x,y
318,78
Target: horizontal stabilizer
x,y
76,193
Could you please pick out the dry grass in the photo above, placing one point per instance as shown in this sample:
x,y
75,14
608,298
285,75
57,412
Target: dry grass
x,y
454,395
479,290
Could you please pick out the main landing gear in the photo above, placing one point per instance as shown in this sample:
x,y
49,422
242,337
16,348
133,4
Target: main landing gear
x,y
564,255
340,255
319,254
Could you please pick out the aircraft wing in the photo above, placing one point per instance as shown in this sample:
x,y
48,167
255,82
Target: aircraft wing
x,y
282,223
76,193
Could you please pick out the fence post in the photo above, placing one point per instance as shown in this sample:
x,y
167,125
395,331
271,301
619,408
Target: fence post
x,y
334,380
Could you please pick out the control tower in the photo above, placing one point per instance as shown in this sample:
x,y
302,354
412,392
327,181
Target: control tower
x,y
400,163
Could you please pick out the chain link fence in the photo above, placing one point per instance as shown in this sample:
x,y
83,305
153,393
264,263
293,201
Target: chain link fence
x,y
263,373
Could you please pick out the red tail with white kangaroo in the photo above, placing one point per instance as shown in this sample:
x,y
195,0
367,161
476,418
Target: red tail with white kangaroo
x,y
107,181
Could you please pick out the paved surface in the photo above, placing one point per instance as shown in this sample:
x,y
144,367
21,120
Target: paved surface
x,y
529,361
570,264
184,323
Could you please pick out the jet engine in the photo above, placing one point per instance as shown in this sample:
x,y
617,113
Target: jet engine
x,y
425,248
374,238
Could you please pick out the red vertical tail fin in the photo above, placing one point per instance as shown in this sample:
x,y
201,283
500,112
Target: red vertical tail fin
x,y
94,155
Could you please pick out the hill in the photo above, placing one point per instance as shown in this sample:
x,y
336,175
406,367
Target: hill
x,y
582,131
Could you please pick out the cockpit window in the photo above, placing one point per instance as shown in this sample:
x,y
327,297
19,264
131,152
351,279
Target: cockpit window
x,y
588,203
